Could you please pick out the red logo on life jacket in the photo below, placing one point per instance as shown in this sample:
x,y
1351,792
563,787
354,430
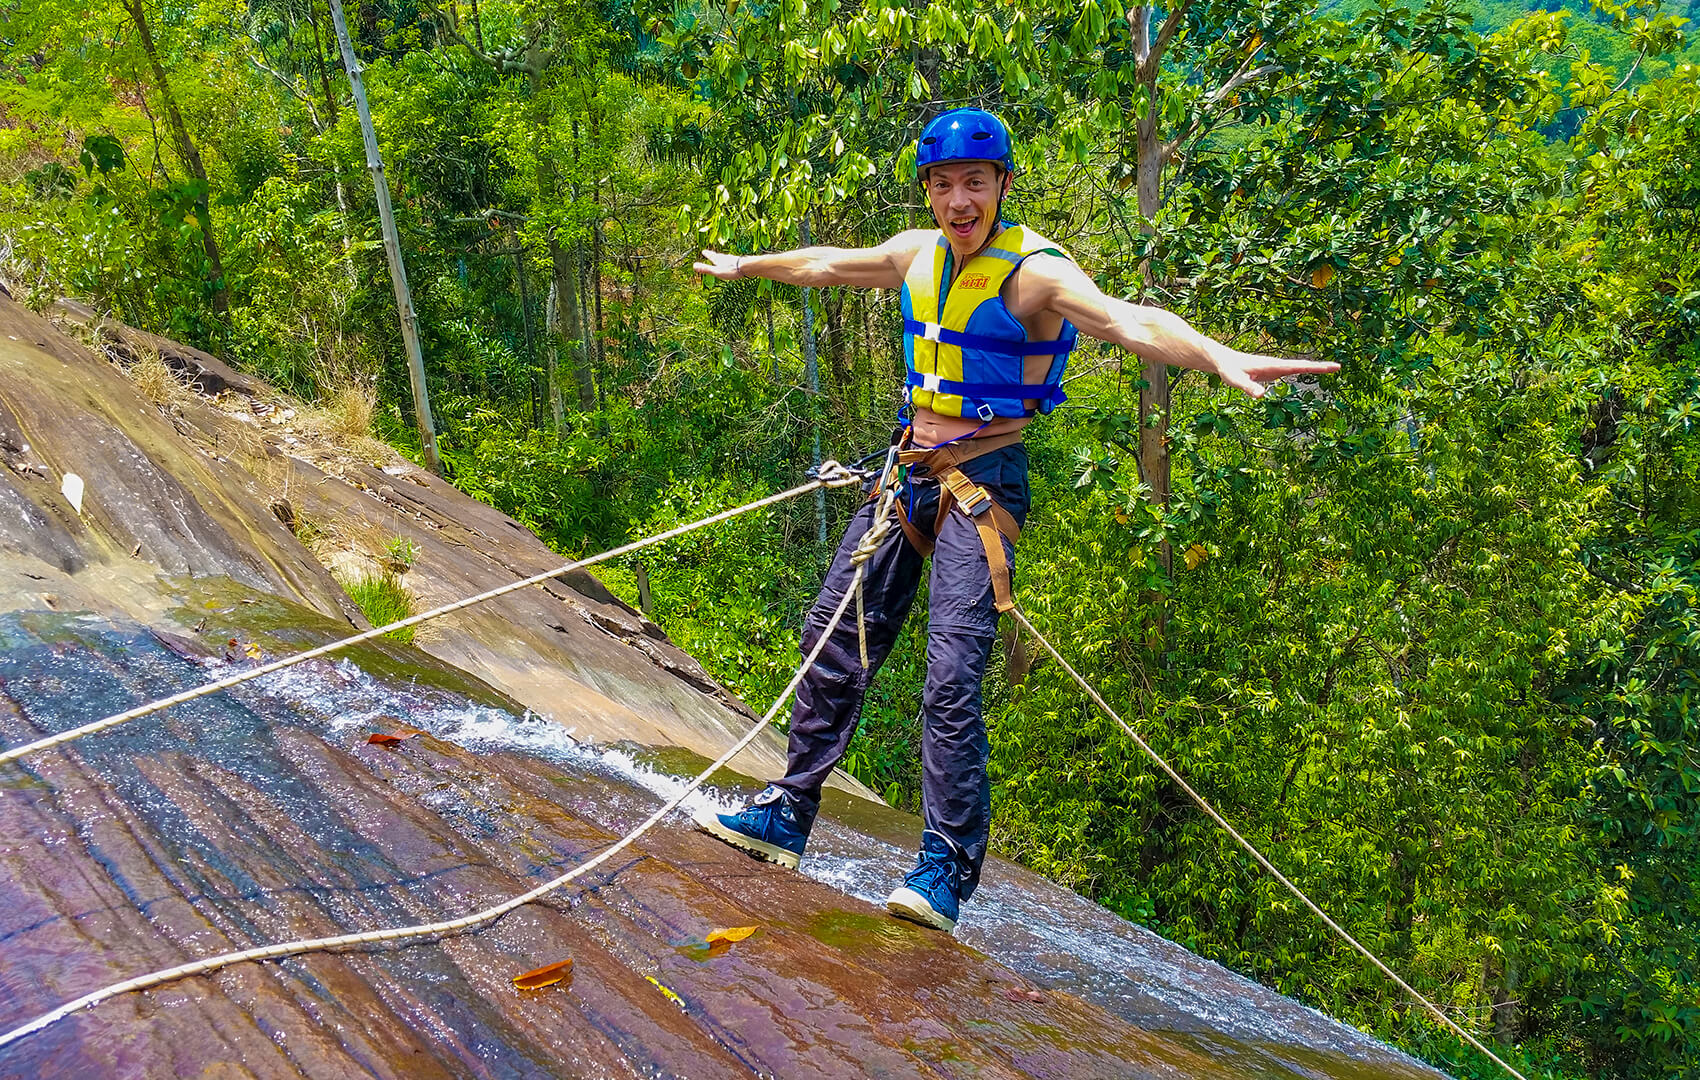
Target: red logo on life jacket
x,y
974,281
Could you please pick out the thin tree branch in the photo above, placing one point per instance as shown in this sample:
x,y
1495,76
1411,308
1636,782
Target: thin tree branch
x,y
1171,26
1244,75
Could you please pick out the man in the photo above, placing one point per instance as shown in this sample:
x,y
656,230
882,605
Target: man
x,y
990,313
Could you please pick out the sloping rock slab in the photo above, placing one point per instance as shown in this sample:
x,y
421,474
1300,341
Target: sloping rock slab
x,y
201,490
265,815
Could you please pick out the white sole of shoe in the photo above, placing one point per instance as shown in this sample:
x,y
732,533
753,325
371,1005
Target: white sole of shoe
x,y
906,903
710,824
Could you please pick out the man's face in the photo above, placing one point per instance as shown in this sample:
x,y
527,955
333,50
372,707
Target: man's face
x,y
964,199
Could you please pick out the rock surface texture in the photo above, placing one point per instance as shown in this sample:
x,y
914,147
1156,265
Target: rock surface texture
x,y
265,814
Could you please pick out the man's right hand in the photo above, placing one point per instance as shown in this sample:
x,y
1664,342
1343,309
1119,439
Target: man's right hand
x,y
718,264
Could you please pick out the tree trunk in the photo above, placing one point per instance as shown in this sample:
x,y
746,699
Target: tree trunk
x,y
646,603
597,254
524,281
1501,981
586,321
566,333
392,248
597,330
1154,465
552,353
1154,396
567,269
324,69
772,349
837,351
191,158
811,375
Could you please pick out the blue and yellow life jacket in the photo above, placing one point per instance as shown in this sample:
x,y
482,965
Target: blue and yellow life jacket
x,y
969,360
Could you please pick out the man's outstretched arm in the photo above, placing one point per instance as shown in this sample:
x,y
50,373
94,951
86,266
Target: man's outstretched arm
x,y
1056,284
881,267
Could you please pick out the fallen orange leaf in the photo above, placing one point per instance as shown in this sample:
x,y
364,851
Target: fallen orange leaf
x,y
547,975
383,738
735,933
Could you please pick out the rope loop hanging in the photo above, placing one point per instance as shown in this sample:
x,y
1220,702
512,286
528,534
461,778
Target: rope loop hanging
x,y
870,543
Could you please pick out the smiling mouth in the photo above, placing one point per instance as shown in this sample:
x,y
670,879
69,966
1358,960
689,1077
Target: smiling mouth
x,y
964,227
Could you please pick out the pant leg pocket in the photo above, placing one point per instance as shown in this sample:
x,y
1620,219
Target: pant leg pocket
x,y
1008,484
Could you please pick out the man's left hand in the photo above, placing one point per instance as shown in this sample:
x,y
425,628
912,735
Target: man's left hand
x,y
1253,373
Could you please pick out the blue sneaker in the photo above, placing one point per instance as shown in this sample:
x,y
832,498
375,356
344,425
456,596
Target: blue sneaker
x,y
767,828
929,895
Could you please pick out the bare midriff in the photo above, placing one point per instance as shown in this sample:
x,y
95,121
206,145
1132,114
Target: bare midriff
x,y
932,429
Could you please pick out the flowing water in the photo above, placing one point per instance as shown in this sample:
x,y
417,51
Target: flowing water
x,y
262,814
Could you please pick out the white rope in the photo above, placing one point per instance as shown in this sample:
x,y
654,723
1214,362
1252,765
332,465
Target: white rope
x,y
465,922
1204,805
870,543
830,475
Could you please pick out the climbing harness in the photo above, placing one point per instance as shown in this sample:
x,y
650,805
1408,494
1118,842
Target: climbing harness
x,y
944,463
829,475
1203,804
966,354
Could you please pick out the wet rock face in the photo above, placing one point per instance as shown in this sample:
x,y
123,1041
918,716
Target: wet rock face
x,y
265,815
223,488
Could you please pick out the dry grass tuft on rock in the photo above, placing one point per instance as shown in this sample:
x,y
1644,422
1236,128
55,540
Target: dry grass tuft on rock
x,y
344,417
158,381
349,411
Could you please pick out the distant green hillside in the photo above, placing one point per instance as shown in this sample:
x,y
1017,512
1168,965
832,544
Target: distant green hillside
x,y
1588,30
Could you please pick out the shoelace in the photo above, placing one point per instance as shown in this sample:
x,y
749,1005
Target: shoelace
x,y
931,874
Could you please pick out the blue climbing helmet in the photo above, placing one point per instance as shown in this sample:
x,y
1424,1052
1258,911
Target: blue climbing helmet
x,y
964,135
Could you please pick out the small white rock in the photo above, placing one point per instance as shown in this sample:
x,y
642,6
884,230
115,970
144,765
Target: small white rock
x,y
72,488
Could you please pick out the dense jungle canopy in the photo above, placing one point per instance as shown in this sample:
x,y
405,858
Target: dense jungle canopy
x,y
1426,630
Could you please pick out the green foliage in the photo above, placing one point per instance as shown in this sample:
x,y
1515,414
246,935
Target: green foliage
x,y
401,551
383,600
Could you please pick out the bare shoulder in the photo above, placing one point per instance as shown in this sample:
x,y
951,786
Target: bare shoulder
x,y
910,241
1050,266
1043,279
